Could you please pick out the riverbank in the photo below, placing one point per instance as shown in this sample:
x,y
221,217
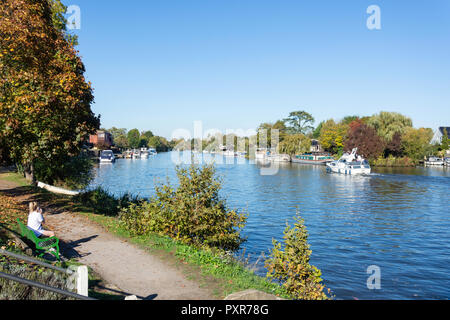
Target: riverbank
x,y
161,266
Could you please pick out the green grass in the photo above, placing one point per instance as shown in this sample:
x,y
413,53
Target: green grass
x,y
14,177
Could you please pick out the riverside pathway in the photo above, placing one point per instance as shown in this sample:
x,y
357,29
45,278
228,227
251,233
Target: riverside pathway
x,y
121,264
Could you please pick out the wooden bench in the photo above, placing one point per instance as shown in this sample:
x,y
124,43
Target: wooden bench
x,y
42,245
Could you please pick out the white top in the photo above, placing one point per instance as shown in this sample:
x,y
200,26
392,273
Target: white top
x,y
35,220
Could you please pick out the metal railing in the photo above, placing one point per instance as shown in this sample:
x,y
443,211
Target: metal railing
x,y
37,284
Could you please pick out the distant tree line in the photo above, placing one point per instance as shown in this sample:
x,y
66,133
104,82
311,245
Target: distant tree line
x,y
134,139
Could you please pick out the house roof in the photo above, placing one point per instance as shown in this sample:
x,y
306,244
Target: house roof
x,y
441,130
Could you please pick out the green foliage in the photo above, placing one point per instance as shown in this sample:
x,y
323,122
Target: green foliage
x,y
192,213
70,172
103,202
295,144
299,122
416,142
332,136
388,123
289,264
134,138
392,161
317,130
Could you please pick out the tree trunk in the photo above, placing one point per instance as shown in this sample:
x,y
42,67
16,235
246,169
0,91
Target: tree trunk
x,y
29,173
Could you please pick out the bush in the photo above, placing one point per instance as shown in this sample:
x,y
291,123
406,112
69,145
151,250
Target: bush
x,y
105,203
391,161
193,213
290,266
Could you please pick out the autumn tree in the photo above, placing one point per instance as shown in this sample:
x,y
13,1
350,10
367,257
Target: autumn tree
x,y
366,139
45,100
332,136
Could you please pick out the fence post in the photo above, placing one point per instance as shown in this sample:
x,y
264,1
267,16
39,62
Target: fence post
x,y
80,279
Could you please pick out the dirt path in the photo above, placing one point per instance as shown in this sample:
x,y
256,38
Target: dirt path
x,y
125,266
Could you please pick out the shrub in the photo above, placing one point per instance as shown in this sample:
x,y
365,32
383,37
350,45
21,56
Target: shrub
x,y
290,265
103,202
192,213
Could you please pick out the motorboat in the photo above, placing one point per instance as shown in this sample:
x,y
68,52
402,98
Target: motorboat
x,y
313,158
107,156
261,154
434,161
145,154
447,162
152,151
350,163
136,154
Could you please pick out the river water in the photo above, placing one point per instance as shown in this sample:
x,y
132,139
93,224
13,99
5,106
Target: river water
x,y
394,223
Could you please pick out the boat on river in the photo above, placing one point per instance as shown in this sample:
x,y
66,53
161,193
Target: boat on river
x,y
314,158
434,161
261,154
350,163
152,151
447,162
145,153
136,154
107,156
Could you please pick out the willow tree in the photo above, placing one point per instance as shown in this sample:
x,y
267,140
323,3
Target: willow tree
x,y
295,144
45,100
387,124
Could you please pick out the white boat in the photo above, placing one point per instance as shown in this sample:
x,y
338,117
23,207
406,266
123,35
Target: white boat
x,y
152,151
136,154
229,153
279,158
128,154
145,154
107,156
434,161
350,163
447,162
261,154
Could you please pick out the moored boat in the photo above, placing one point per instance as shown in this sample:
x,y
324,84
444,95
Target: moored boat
x,y
434,161
350,163
145,153
447,161
313,158
107,156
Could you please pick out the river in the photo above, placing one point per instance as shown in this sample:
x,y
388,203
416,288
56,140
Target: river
x,y
397,220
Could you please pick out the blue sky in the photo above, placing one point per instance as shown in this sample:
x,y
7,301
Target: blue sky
x,y
161,65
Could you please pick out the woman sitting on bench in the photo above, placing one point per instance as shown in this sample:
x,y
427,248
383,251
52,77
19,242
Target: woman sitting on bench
x,y
35,220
